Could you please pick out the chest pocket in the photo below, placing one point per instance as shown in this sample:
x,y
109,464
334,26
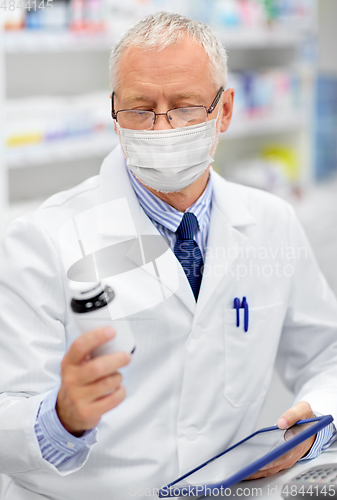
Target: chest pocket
x,y
250,356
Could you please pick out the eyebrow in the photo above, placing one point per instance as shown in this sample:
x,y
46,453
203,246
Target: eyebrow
x,y
176,97
135,98
187,95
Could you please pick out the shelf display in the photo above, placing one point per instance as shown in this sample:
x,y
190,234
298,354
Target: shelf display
x,y
264,100
325,126
272,99
82,15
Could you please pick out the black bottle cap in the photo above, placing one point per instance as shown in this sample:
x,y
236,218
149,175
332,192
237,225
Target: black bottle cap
x,y
97,301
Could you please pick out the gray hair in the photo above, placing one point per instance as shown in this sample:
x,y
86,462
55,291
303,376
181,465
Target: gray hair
x,y
162,29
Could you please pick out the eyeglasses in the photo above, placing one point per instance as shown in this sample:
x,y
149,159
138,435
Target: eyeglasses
x,y
137,119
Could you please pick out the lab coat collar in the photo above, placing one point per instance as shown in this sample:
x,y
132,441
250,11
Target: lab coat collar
x,y
225,197
114,184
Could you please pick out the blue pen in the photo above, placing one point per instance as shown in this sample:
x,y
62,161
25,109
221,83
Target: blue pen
x,y
244,305
237,307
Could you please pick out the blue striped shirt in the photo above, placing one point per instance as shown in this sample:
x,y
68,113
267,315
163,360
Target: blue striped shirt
x,y
323,440
167,219
58,445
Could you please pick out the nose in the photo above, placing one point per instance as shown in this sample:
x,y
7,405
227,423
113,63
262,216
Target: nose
x,y
162,122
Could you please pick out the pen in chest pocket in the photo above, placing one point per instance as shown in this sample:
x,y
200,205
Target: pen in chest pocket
x,y
242,305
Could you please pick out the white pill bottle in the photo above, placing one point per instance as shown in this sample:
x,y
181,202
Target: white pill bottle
x,y
90,306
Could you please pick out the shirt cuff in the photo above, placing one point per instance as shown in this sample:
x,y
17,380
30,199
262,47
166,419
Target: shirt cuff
x,y
56,443
325,437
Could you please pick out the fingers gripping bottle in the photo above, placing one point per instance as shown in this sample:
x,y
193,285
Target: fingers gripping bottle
x,y
90,306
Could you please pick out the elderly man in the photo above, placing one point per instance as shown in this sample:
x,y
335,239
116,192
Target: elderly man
x,y
69,427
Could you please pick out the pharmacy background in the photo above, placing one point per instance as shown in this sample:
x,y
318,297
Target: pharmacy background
x,y
56,125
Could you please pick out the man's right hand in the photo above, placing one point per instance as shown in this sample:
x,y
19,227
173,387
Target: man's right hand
x,y
89,387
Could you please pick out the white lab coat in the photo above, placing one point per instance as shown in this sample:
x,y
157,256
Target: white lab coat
x,y
196,382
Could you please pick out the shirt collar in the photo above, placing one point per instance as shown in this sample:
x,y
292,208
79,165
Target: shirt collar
x,y
165,214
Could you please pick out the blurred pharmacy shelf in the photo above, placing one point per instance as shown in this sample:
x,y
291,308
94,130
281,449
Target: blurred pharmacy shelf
x,y
264,126
39,41
3,166
100,144
63,67
96,145
251,39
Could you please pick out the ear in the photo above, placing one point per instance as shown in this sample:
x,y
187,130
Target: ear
x,y
227,103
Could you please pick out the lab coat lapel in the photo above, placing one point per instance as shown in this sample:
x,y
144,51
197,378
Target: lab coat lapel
x,y
225,239
115,185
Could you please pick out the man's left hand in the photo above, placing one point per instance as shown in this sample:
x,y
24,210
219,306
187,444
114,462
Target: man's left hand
x,y
299,411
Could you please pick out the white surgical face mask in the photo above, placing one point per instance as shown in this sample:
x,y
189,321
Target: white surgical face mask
x,y
169,160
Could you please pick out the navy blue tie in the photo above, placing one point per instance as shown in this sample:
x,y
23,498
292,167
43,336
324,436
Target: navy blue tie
x,y
188,252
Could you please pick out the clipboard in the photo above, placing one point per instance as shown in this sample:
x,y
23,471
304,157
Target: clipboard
x,y
242,459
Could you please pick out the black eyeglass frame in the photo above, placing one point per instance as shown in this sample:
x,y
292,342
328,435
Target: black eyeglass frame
x,y
208,111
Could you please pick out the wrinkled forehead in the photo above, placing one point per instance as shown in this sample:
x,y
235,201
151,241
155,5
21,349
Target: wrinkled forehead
x,y
184,62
